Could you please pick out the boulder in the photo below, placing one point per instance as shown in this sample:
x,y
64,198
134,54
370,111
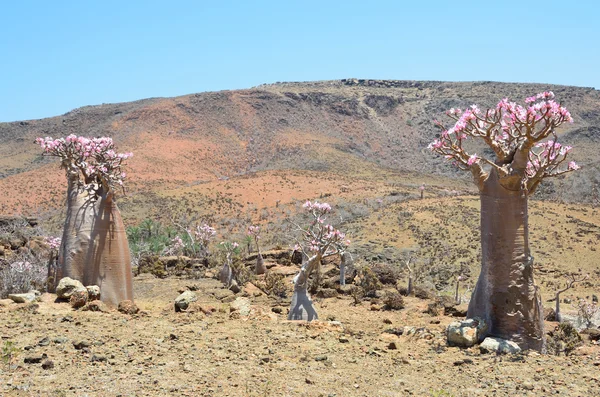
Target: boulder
x,y
183,301
93,292
95,306
498,345
466,333
78,298
241,305
66,287
128,307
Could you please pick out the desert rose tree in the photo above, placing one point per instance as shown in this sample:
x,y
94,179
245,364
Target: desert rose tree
x,y
318,241
94,248
254,232
526,150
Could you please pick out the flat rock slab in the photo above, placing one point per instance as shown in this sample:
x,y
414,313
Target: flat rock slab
x,y
23,298
498,345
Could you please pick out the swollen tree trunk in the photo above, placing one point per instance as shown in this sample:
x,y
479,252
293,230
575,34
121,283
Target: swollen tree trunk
x,y
557,314
345,262
94,247
260,267
506,296
301,307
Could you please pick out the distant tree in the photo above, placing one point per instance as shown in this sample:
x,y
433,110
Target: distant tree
x,y
254,232
94,247
526,148
317,240
571,280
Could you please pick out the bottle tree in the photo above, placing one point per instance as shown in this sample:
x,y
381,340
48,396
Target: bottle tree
x,y
254,232
318,240
94,247
525,147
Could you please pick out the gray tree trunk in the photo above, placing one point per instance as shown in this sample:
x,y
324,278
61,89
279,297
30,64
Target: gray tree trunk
x,y
506,296
94,247
301,307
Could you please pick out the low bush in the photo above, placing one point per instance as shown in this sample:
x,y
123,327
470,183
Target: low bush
x,y
393,301
563,339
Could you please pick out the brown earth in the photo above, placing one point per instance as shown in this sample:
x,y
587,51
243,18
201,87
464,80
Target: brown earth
x,y
204,353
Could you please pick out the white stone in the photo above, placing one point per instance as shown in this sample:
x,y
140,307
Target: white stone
x,y
466,333
183,301
242,305
23,298
498,345
66,287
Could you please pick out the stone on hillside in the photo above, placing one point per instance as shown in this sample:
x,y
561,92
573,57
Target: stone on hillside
x,y
466,333
128,307
23,298
78,298
498,345
93,292
66,287
327,293
183,301
95,306
234,287
241,305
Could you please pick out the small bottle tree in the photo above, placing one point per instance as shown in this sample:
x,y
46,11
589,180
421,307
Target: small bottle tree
x,y
254,232
318,240
94,247
526,150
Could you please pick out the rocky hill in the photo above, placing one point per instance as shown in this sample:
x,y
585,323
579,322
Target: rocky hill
x,y
348,129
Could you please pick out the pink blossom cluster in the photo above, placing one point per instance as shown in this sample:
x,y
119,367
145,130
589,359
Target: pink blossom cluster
x,y
229,247
546,155
177,245
204,233
53,242
320,237
322,208
506,128
253,231
95,158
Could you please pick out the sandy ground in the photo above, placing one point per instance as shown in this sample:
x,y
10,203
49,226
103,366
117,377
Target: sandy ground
x,y
348,353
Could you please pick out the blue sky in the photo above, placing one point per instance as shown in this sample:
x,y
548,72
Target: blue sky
x,y
60,55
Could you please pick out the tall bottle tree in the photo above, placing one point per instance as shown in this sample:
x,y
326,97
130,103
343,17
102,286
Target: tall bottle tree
x,y
94,248
526,150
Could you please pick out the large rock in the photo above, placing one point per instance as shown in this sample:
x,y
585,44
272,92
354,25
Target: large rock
x,y
241,305
128,307
78,298
66,287
466,333
498,345
183,301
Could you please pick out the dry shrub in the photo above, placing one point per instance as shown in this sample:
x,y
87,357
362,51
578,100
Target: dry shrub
x,y
393,301
369,281
22,274
423,293
387,273
357,294
275,284
564,339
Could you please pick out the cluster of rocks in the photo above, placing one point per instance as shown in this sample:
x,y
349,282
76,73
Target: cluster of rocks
x,y
79,295
469,332
86,298
388,83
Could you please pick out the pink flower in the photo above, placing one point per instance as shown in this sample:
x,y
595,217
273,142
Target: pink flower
x,y
472,159
573,166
